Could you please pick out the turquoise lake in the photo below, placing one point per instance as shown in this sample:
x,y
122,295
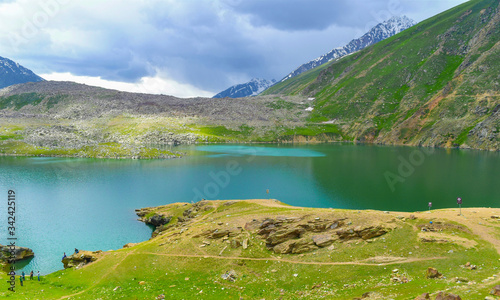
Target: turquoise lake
x,y
67,203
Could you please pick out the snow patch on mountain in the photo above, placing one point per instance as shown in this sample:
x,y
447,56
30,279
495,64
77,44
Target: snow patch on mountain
x,y
13,73
378,33
251,88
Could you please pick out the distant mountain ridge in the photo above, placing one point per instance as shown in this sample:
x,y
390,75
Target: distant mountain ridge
x,y
378,33
435,84
251,88
13,73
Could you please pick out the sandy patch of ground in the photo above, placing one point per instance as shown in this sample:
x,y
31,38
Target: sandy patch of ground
x,y
447,238
478,220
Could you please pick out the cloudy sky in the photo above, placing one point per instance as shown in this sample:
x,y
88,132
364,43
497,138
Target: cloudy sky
x,y
186,47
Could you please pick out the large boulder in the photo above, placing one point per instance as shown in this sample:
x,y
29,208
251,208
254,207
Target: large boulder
x,y
369,232
424,296
444,296
158,220
219,233
363,232
15,253
323,240
304,245
495,291
432,273
80,259
284,235
321,225
295,246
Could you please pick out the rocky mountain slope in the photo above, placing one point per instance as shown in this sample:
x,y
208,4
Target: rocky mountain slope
x,y
251,88
70,119
435,84
378,33
13,73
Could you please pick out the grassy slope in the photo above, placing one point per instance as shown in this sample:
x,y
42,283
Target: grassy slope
x,y
174,264
427,81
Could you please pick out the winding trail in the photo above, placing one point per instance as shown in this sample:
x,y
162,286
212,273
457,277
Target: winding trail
x,y
474,219
399,261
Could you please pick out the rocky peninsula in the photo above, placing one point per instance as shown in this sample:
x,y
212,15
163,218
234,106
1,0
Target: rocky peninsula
x,y
13,254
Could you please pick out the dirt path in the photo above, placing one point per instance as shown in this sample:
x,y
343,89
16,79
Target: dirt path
x,y
408,260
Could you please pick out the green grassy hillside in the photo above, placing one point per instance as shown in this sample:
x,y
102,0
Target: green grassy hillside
x,y
434,84
264,249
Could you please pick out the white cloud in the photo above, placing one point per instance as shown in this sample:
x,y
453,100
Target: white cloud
x,y
202,45
147,85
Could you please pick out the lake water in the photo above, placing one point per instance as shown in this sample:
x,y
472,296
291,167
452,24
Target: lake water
x,y
63,203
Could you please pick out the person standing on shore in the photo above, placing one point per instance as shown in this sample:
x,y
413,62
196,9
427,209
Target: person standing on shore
x,y
31,275
38,275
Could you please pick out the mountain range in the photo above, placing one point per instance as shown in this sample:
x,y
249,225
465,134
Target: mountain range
x,y
251,88
13,73
378,33
435,84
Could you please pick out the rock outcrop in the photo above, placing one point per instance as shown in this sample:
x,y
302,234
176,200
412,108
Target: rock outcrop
x,y
15,253
446,296
304,234
363,232
80,259
433,273
150,217
219,233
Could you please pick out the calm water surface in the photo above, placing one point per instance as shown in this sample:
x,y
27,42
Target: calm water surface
x,y
89,203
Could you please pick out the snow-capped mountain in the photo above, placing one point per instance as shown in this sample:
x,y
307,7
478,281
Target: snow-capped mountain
x,y
13,73
251,88
378,33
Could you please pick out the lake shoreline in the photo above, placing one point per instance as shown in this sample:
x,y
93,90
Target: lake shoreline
x,y
326,175
180,155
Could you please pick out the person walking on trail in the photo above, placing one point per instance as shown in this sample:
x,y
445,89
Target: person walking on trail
x,y
21,279
31,275
38,275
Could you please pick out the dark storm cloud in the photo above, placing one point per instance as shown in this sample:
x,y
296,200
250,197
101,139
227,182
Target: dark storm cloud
x,y
207,44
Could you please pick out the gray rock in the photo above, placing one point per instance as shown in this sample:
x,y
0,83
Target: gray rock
x,y
230,276
433,273
323,240
78,260
283,235
495,291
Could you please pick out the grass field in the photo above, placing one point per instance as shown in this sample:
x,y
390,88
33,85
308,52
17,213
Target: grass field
x,y
181,264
